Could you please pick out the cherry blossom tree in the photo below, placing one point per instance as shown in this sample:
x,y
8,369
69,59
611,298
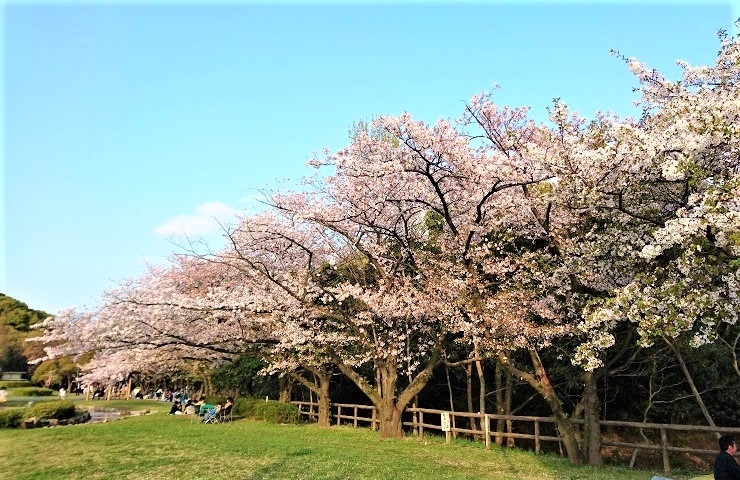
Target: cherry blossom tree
x,y
688,284
494,253
689,281
340,275
187,312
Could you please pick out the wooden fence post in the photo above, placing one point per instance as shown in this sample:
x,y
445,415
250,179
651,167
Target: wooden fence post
x,y
536,437
664,444
339,414
487,430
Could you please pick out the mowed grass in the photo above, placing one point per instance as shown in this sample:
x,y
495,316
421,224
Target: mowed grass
x,y
159,446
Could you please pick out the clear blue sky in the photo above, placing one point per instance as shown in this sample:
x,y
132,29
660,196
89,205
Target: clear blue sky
x,y
126,123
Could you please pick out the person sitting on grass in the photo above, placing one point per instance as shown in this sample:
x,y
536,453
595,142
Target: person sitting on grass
x,y
176,408
190,408
204,407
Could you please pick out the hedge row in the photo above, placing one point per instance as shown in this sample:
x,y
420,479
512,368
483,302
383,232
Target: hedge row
x,y
258,409
15,383
55,409
33,392
58,409
11,417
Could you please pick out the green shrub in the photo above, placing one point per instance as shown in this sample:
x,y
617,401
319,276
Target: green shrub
x,y
11,417
278,412
15,383
59,409
243,407
33,392
275,412
215,400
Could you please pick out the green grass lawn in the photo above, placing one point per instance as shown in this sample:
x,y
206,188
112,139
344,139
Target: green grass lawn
x,y
159,446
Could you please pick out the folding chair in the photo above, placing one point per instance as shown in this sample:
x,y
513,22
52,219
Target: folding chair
x,y
211,416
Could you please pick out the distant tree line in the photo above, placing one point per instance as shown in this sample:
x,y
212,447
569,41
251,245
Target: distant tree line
x,y
16,320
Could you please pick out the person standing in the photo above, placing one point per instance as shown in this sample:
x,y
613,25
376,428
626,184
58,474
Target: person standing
x,y
725,466
62,393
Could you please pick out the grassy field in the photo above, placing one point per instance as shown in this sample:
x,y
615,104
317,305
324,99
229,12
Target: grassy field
x,y
159,446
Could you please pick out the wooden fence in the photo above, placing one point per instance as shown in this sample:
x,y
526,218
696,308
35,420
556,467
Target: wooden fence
x,y
342,413
536,431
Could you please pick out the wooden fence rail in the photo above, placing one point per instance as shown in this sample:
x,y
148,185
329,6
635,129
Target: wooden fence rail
x,y
420,420
338,412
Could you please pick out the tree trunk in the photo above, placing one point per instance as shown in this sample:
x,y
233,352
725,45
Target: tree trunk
x,y
324,401
481,393
508,393
690,380
541,383
410,378
592,430
499,401
390,419
469,393
389,402
207,385
321,389
128,388
449,388
389,409
481,379
285,383
482,386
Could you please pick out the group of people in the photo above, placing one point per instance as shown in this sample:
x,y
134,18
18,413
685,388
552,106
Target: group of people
x,y
186,406
209,412
200,407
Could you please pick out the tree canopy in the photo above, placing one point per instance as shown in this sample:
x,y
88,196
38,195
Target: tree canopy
x,y
17,315
16,320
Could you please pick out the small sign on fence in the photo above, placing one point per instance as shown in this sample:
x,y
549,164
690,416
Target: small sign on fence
x,y
445,419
